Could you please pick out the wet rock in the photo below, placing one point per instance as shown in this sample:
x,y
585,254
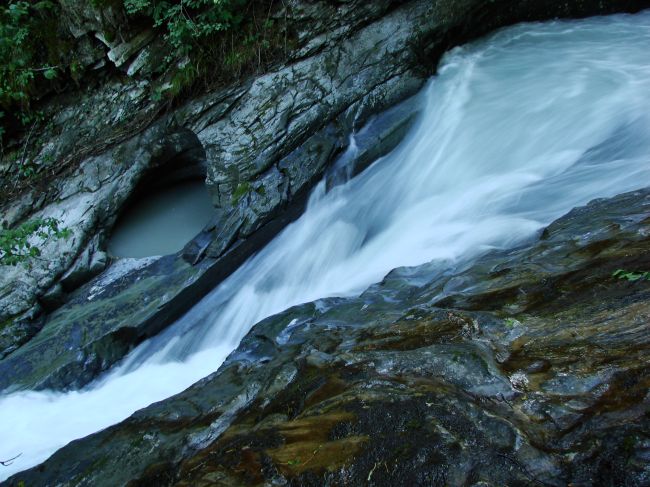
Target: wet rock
x,y
53,297
269,202
264,142
384,131
18,331
371,391
88,206
91,262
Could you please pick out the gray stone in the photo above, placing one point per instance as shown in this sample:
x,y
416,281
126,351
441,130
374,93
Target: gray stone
x,y
53,297
121,53
85,17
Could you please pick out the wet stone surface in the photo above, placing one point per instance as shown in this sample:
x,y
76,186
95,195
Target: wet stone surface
x,y
412,383
265,141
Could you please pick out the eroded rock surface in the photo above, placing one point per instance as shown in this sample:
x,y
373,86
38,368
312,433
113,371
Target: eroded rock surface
x,y
265,142
527,367
106,318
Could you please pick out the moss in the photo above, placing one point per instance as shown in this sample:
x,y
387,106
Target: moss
x,y
297,457
6,324
412,333
183,79
511,322
241,190
119,307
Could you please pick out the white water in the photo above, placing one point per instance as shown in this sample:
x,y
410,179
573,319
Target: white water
x,y
516,130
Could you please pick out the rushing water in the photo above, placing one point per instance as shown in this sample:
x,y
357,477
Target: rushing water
x,y
516,130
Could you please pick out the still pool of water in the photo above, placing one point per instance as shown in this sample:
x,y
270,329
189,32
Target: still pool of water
x,y
163,222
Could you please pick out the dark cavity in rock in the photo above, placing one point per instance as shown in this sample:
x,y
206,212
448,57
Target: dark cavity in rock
x,y
168,208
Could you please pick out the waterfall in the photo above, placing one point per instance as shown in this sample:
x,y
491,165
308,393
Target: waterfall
x,y
516,129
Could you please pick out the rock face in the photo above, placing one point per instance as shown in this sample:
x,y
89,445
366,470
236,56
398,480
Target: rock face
x,y
262,149
527,367
135,299
88,204
264,142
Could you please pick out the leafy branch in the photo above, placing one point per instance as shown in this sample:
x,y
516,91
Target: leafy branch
x,y
631,275
189,20
20,23
22,243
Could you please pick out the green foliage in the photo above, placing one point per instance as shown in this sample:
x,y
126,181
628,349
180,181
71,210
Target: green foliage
x,y
24,169
511,322
184,76
241,190
19,244
210,41
30,54
15,73
27,170
187,21
631,275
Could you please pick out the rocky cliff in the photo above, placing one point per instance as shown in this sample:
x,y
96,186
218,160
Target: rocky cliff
x,y
265,140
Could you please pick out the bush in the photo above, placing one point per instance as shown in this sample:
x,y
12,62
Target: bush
x,y
30,54
187,21
631,275
17,245
212,41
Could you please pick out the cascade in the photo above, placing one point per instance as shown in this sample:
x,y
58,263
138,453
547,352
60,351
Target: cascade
x,y
516,129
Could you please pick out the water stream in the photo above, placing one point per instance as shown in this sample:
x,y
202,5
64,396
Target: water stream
x,y
516,129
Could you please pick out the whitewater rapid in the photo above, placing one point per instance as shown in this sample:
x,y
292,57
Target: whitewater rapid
x,y
515,130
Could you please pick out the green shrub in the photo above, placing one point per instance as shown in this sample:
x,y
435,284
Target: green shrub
x,y
631,275
187,21
211,41
30,54
17,246
240,191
